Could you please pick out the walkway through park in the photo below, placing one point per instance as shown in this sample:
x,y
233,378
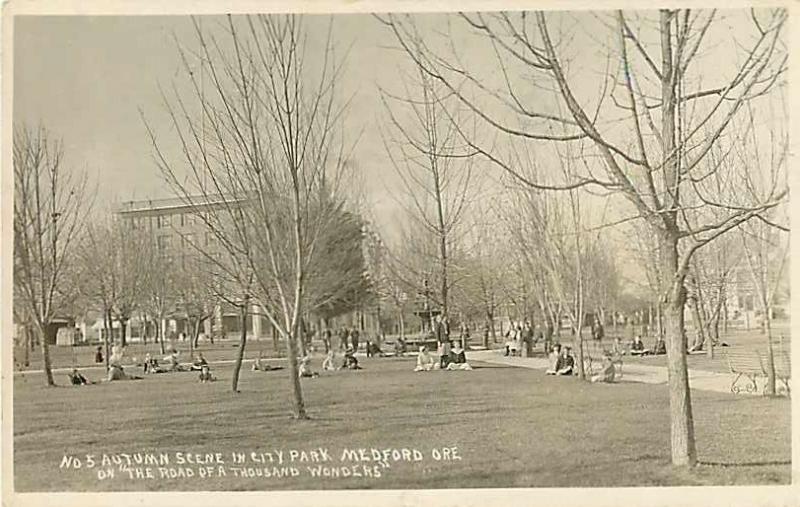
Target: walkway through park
x,y
631,372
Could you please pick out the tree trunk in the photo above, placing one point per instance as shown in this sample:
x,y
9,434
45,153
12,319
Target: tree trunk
x,y
714,327
700,335
191,338
108,324
770,388
195,338
275,340
28,342
402,325
682,425
160,335
298,406
672,277
237,366
123,326
579,337
486,332
681,421
301,338
725,316
48,367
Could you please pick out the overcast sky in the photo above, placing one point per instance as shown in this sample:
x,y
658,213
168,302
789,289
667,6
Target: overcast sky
x,y
86,78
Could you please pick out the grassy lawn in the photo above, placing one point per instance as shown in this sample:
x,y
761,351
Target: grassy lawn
x,y
738,339
82,356
512,427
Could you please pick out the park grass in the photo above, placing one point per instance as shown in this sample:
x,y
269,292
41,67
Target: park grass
x,y
82,356
512,427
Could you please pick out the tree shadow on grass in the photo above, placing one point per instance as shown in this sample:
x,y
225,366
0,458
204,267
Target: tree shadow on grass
x,y
729,464
486,366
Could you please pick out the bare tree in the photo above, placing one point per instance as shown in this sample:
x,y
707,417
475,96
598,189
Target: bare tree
x,y
672,117
50,207
486,268
564,261
765,250
436,184
266,141
158,294
99,277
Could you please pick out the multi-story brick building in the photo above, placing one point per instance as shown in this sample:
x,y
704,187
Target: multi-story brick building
x,y
179,231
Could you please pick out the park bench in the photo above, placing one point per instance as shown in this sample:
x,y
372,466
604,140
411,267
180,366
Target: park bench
x,y
783,366
744,364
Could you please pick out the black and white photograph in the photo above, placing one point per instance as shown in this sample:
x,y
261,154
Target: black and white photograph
x,y
445,254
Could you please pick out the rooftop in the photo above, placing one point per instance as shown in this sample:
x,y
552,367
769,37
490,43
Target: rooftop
x,y
174,203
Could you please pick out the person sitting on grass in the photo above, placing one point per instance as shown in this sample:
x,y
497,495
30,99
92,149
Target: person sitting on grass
x,y
637,347
373,349
305,368
260,365
510,346
77,379
151,365
199,362
425,361
205,374
173,364
608,371
350,361
553,359
329,364
566,362
458,358
116,372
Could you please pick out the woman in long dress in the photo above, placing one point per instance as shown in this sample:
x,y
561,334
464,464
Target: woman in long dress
x,y
425,361
458,359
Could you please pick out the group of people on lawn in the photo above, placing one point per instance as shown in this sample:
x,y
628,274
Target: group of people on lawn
x,y
562,362
521,335
451,354
452,357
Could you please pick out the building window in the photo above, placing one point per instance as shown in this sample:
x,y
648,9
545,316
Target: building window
x,y
209,238
188,241
134,223
163,244
163,221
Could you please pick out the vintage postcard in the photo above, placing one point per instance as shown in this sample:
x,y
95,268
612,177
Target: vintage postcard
x,y
398,253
